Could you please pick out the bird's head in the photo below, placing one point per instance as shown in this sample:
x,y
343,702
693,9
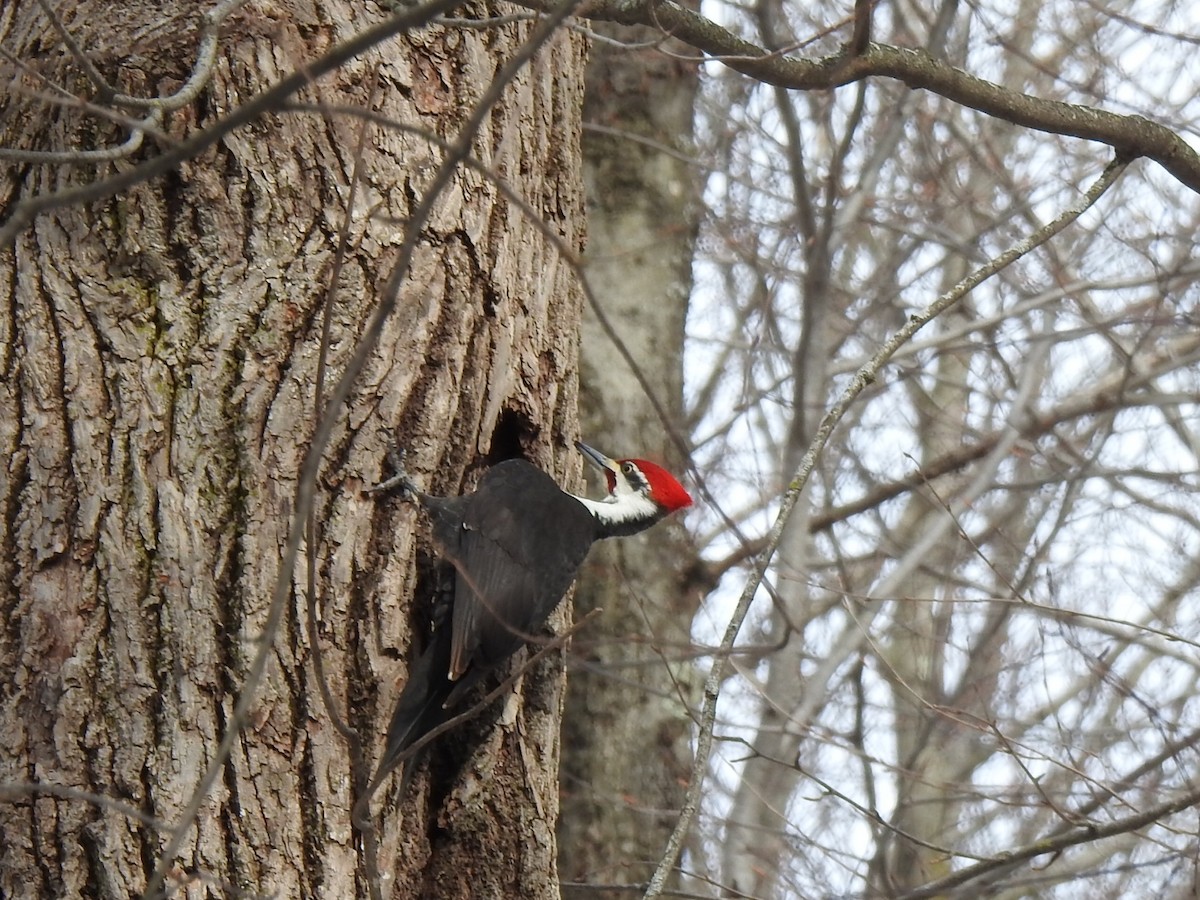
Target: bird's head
x,y
639,492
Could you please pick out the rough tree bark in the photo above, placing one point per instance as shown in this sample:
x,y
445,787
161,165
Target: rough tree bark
x,y
158,353
626,750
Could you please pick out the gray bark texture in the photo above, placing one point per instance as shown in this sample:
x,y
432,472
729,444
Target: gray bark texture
x,y
626,730
158,356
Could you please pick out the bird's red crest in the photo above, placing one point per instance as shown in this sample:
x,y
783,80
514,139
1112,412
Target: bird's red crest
x,y
664,489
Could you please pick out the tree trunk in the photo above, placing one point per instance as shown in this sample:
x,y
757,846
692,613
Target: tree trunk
x,y
159,354
626,733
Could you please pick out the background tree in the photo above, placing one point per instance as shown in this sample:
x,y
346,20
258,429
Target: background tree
x,y
625,735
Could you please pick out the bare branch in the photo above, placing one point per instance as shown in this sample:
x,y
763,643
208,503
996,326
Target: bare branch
x,y
1131,136
1071,837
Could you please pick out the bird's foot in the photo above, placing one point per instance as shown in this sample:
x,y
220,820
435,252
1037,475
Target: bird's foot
x,y
400,479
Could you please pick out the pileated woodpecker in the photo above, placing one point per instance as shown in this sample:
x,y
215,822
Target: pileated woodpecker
x,y
516,544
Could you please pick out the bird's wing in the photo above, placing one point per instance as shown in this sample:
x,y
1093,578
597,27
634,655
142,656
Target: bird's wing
x,y
420,707
489,590
521,543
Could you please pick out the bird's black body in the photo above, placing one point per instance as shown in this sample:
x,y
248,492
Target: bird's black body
x,y
520,544
516,544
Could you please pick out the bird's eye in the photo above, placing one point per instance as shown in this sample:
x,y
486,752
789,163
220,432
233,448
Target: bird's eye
x,y
628,468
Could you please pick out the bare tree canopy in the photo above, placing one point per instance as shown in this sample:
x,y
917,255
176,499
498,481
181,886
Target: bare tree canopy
x,y
953,361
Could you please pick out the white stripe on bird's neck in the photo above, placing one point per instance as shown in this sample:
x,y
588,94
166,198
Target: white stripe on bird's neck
x,y
621,509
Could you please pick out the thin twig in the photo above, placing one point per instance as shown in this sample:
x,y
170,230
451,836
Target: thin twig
x,y
93,74
554,643
11,790
359,771
1073,835
151,123
27,210
861,37
206,58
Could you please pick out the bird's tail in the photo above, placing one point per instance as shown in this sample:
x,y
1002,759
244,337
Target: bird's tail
x,y
420,707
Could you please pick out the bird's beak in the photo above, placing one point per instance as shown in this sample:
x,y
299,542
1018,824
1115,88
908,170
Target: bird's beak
x,y
597,459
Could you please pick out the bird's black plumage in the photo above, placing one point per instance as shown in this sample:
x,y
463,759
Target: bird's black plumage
x,y
516,544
